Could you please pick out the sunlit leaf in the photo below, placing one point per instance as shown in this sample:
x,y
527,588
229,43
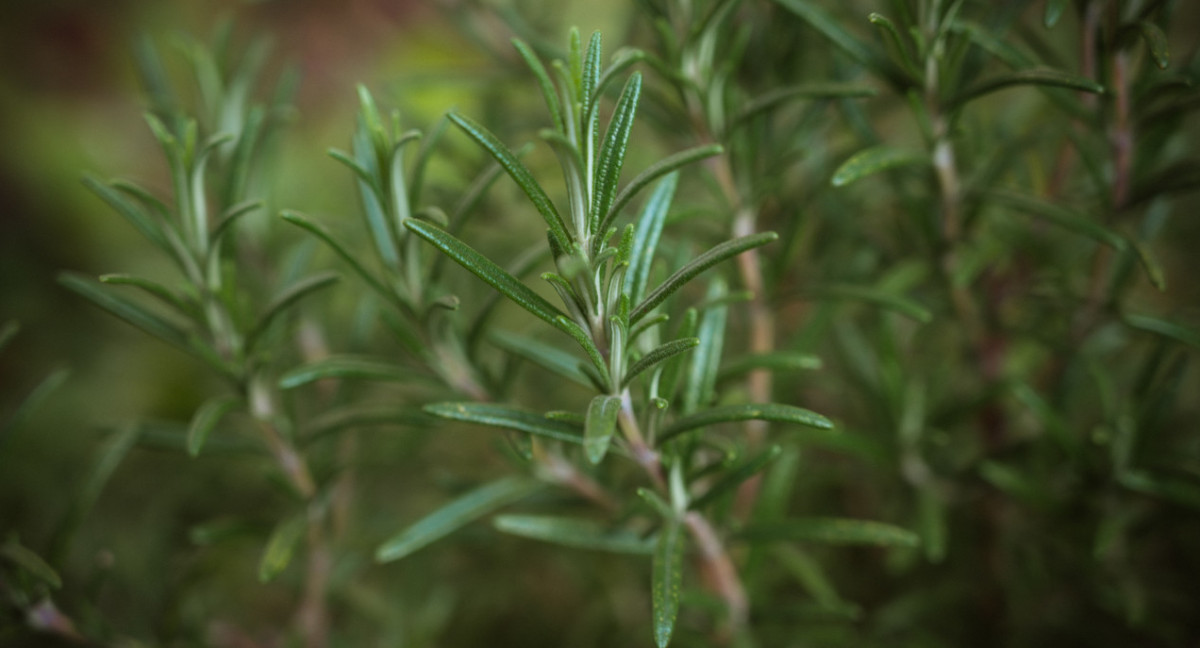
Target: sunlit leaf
x,y
576,533
456,514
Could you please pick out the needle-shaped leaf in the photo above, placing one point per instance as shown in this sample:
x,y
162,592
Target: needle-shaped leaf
x,y
699,387
30,403
575,532
654,172
347,366
599,426
839,531
1164,328
588,345
832,29
159,291
509,418
281,546
141,221
543,355
1035,77
1156,42
721,252
285,300
645,238
519,173
873,160
205,419
729,481
342,251
773,412
455,515
127,310
900,53
1062,216
8,332
543,79
17,554
367,416
659,354
808,572
487,270
1054,11
667,580
612,152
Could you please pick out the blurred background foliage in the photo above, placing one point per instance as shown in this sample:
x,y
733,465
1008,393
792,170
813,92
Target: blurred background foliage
x,y
1072,522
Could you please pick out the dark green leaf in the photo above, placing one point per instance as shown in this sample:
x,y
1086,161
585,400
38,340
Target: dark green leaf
x,y
205,419
808,572
600,424
31,562
1035,77
1061,216
455,515
519,174
1180,491
773,412
612,152
1156,42
286,299
588,345
659,354
127,310
485,269
874,160
161,292
348,366
734,478
342,251
543,79
901,54
667,580
701,263
145,224
280,547
362,416
574,532
509,418
654,172
30,403
831,29
1164,328
839,531
8,332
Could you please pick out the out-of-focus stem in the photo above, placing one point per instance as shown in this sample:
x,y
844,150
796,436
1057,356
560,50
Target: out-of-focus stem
x,y
718,571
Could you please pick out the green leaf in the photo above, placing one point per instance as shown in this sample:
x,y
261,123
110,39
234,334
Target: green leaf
x,y
667,580
206,418
1164,328
157,290
874,160
361,416
129,311
453,516
654,172
575,532
1063,217
900,54
808,572
645,237
8,332
700,385
832,29
543,355
778,361
342,251
30,403
589,346
721,252
882,298
510,418
108,457
612,152
519,173
144,224
230,217
734,478
1156,42
599,427
543,79
779,96
773,412
659,354
488,271
280,547
31,562
1054,11
286,299
1035,77
348,366
838,531
1180,491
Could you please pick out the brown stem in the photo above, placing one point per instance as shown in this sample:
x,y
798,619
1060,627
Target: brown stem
x,y
718,571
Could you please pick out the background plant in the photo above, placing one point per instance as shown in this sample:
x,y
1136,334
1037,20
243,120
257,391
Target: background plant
x,y
976,245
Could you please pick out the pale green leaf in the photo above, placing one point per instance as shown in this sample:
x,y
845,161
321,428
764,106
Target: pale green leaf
x,y
1156,42
456,514
777,361
26,559
730,480
600,424
509,418
659,354
205,419
285,300
667,580
543,355
575,532
348,366
281,546
645,238
654,172
543,79
127,310
342,251
838,531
